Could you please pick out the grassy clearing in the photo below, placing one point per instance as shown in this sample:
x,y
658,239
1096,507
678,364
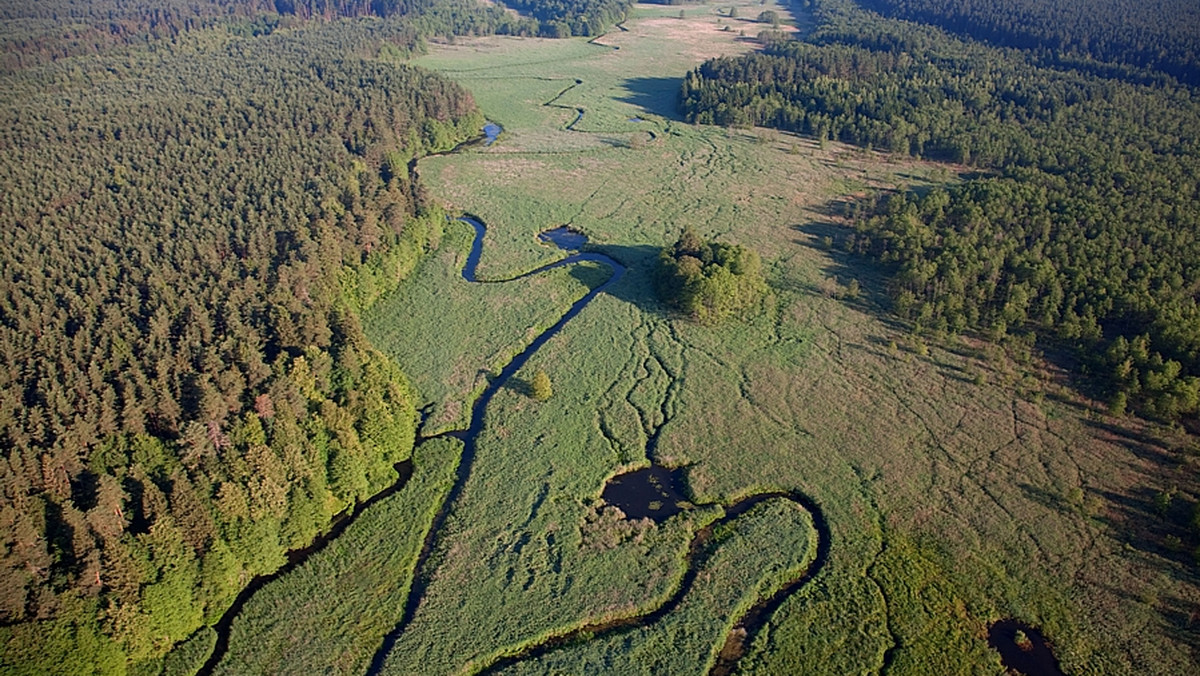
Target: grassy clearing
x,y
961,483
450,335
747,558
331,613
527,552
982,457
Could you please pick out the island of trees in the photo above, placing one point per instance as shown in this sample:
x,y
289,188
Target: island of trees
x,y
708,280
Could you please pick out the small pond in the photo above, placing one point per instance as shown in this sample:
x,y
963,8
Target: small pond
x,y
564,238
1034,658
654,492
491,130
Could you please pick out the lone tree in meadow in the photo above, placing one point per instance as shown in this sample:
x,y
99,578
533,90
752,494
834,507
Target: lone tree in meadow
x,y
539,387
769,16
709,280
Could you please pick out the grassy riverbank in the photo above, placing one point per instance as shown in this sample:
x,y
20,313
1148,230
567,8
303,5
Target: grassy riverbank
x,y
961,482
974,454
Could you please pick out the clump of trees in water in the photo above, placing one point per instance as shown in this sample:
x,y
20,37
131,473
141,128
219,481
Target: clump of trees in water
x,y
709,280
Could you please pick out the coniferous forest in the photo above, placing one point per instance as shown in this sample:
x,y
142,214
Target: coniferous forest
x,y
193,218
200,197
1081,229
564,18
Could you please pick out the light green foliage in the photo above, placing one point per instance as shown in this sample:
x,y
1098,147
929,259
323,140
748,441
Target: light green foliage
x,y
539,387
709,281
60,646
331,613
188,656
747,559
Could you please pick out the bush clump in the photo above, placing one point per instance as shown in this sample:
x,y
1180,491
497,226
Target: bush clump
x,y
707,280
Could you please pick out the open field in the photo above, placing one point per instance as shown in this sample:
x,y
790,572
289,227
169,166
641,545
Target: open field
x,y
331,612
961,483
450,361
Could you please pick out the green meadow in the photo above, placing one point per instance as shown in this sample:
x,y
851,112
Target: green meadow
x,y
962,482
330,614
746,558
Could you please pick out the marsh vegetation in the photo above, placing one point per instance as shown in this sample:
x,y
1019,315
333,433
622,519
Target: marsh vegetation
x,y
835,481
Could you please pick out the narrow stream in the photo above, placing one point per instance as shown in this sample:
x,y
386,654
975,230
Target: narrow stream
x,y
470,436
747,626
654,492
294,558
662,481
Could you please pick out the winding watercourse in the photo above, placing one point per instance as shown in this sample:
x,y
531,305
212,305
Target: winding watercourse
x,y
747,625
744,629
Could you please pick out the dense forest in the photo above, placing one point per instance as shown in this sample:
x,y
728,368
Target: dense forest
x,y
564,18
1085,228
36,32
190,228
1158,34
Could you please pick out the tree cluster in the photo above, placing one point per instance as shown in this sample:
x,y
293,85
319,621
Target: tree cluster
x,y
1086,231
185,390
564,18
38,32
1159,34
707,280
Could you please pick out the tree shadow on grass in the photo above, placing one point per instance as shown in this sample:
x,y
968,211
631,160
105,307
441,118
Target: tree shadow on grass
x,y
1142,445
636,285
843,268
656,95
519,385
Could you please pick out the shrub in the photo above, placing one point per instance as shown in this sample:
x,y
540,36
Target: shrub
x,y
539,387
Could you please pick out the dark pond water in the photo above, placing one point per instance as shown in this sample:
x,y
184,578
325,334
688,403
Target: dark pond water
x,y
491,130
1034,659
654,492
564,238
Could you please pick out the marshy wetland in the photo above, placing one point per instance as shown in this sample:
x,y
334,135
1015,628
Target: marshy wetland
x,y
848,497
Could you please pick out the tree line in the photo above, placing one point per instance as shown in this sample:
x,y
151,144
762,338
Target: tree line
x,y
190,229
1157,34
1085,229
32,33
565,18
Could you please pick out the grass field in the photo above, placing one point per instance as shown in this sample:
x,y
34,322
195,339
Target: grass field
x,y
331,613
961,482
455,333
749,556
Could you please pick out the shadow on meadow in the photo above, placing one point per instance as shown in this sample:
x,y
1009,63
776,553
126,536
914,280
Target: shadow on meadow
x,y
656,95
519,385
636,286
867,279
